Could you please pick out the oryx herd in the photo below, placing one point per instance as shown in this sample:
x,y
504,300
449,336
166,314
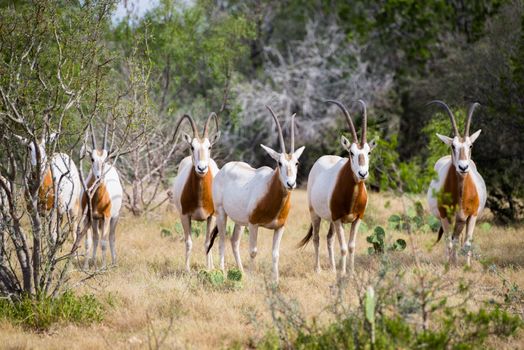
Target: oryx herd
x,y
261,197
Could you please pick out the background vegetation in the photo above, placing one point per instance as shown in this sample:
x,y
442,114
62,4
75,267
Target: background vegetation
x,y
67,64
235,56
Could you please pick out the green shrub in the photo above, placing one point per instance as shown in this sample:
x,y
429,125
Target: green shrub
x,y
215,279
414,220
376,239
41,313
457,330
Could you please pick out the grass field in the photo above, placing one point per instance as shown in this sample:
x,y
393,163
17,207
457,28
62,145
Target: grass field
x,y
149,295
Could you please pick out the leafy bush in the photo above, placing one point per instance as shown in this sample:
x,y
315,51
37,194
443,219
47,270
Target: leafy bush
x,y
414,219
215,279
376,239
41,313
382,322
462,330
389,172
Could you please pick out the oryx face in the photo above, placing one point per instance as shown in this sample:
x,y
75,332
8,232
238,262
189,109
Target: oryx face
x,y
359,157
461,151
201,152
41,153
33,146
287,165
98,160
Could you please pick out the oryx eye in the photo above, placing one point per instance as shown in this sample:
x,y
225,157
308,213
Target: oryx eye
x,y
192,148
92,159
209,148
470,146
369,153
297,163
279,163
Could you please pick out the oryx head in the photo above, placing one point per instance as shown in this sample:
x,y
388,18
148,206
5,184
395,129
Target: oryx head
x,y
287,162
98,156
460,146
359,152
36,148
200,146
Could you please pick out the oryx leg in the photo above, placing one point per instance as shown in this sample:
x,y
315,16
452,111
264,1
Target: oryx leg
x,y
112,237
88,245
470,226
277,237
315,222
459,226
235,244
209,256
222,226
253,236
186,224
94,231
88,241
353,244
339,229
104,226
446,232
330,247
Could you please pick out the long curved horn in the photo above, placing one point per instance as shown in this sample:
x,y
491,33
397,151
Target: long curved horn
x,y
348,118
364,122
280,136
206,126
470,114
105,136
450,113
191,121
93,137
293,133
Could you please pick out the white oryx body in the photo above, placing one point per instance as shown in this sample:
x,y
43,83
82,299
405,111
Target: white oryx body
x,y
337,194
60,185
184,172
256,198
442,167
104,189
459,191
67,184
239,188
192,188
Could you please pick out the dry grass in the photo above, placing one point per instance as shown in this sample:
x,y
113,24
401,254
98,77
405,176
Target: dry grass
x,y
149,287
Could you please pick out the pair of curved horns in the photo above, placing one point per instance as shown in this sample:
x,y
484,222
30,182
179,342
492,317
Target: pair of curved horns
x,y
350,121
452,116
93,137
280,135
194,126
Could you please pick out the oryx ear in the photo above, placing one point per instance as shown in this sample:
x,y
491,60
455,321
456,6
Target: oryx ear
x,y
298,152
187,138
214,137
447,140
345,143
475,135
372,144
274,154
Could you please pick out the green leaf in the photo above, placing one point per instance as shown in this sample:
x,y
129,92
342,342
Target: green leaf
x,y
380,233
165,233
394,218
400,244
370,304
485,226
